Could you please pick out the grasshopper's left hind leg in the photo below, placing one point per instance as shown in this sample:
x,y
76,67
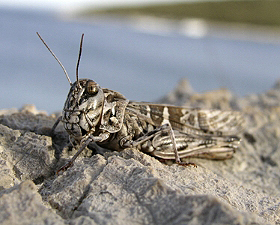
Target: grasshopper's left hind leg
x,y
148,136
174,146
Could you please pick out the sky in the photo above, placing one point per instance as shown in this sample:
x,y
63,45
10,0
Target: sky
x,y
70,5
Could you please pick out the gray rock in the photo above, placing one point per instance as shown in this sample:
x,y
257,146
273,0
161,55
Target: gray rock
x,y
22,204
26,154
131,187
180,94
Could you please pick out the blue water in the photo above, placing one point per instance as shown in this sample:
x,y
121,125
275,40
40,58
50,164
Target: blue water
x,y
142,66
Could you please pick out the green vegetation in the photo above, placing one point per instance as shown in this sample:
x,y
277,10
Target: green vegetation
x,y
262,12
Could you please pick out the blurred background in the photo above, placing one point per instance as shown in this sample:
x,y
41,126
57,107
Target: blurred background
x,y
141,48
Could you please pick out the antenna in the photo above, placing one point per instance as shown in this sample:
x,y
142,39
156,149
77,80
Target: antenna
x,y
64,70
79,58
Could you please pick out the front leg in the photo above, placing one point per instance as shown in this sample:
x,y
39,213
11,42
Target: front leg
x,y
85,143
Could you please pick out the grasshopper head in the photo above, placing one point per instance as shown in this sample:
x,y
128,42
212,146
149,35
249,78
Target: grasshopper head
x,y
83,108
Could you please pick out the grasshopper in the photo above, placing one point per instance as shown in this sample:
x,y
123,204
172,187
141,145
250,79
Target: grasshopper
x,y
104,116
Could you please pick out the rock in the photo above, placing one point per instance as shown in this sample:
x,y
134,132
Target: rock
x,y
124,190
218,99
8,111
25,155
179,94
32,109
22,204
131,187
37,123
184,95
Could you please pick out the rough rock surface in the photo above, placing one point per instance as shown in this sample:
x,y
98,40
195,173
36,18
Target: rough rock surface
x,y
130,187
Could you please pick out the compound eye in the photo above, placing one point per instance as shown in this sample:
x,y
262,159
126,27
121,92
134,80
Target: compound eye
x,y
92,88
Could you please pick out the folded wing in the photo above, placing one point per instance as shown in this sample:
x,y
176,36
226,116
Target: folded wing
x,y
190,120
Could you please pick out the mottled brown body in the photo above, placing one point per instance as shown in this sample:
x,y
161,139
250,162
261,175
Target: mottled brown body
x,y
107,117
